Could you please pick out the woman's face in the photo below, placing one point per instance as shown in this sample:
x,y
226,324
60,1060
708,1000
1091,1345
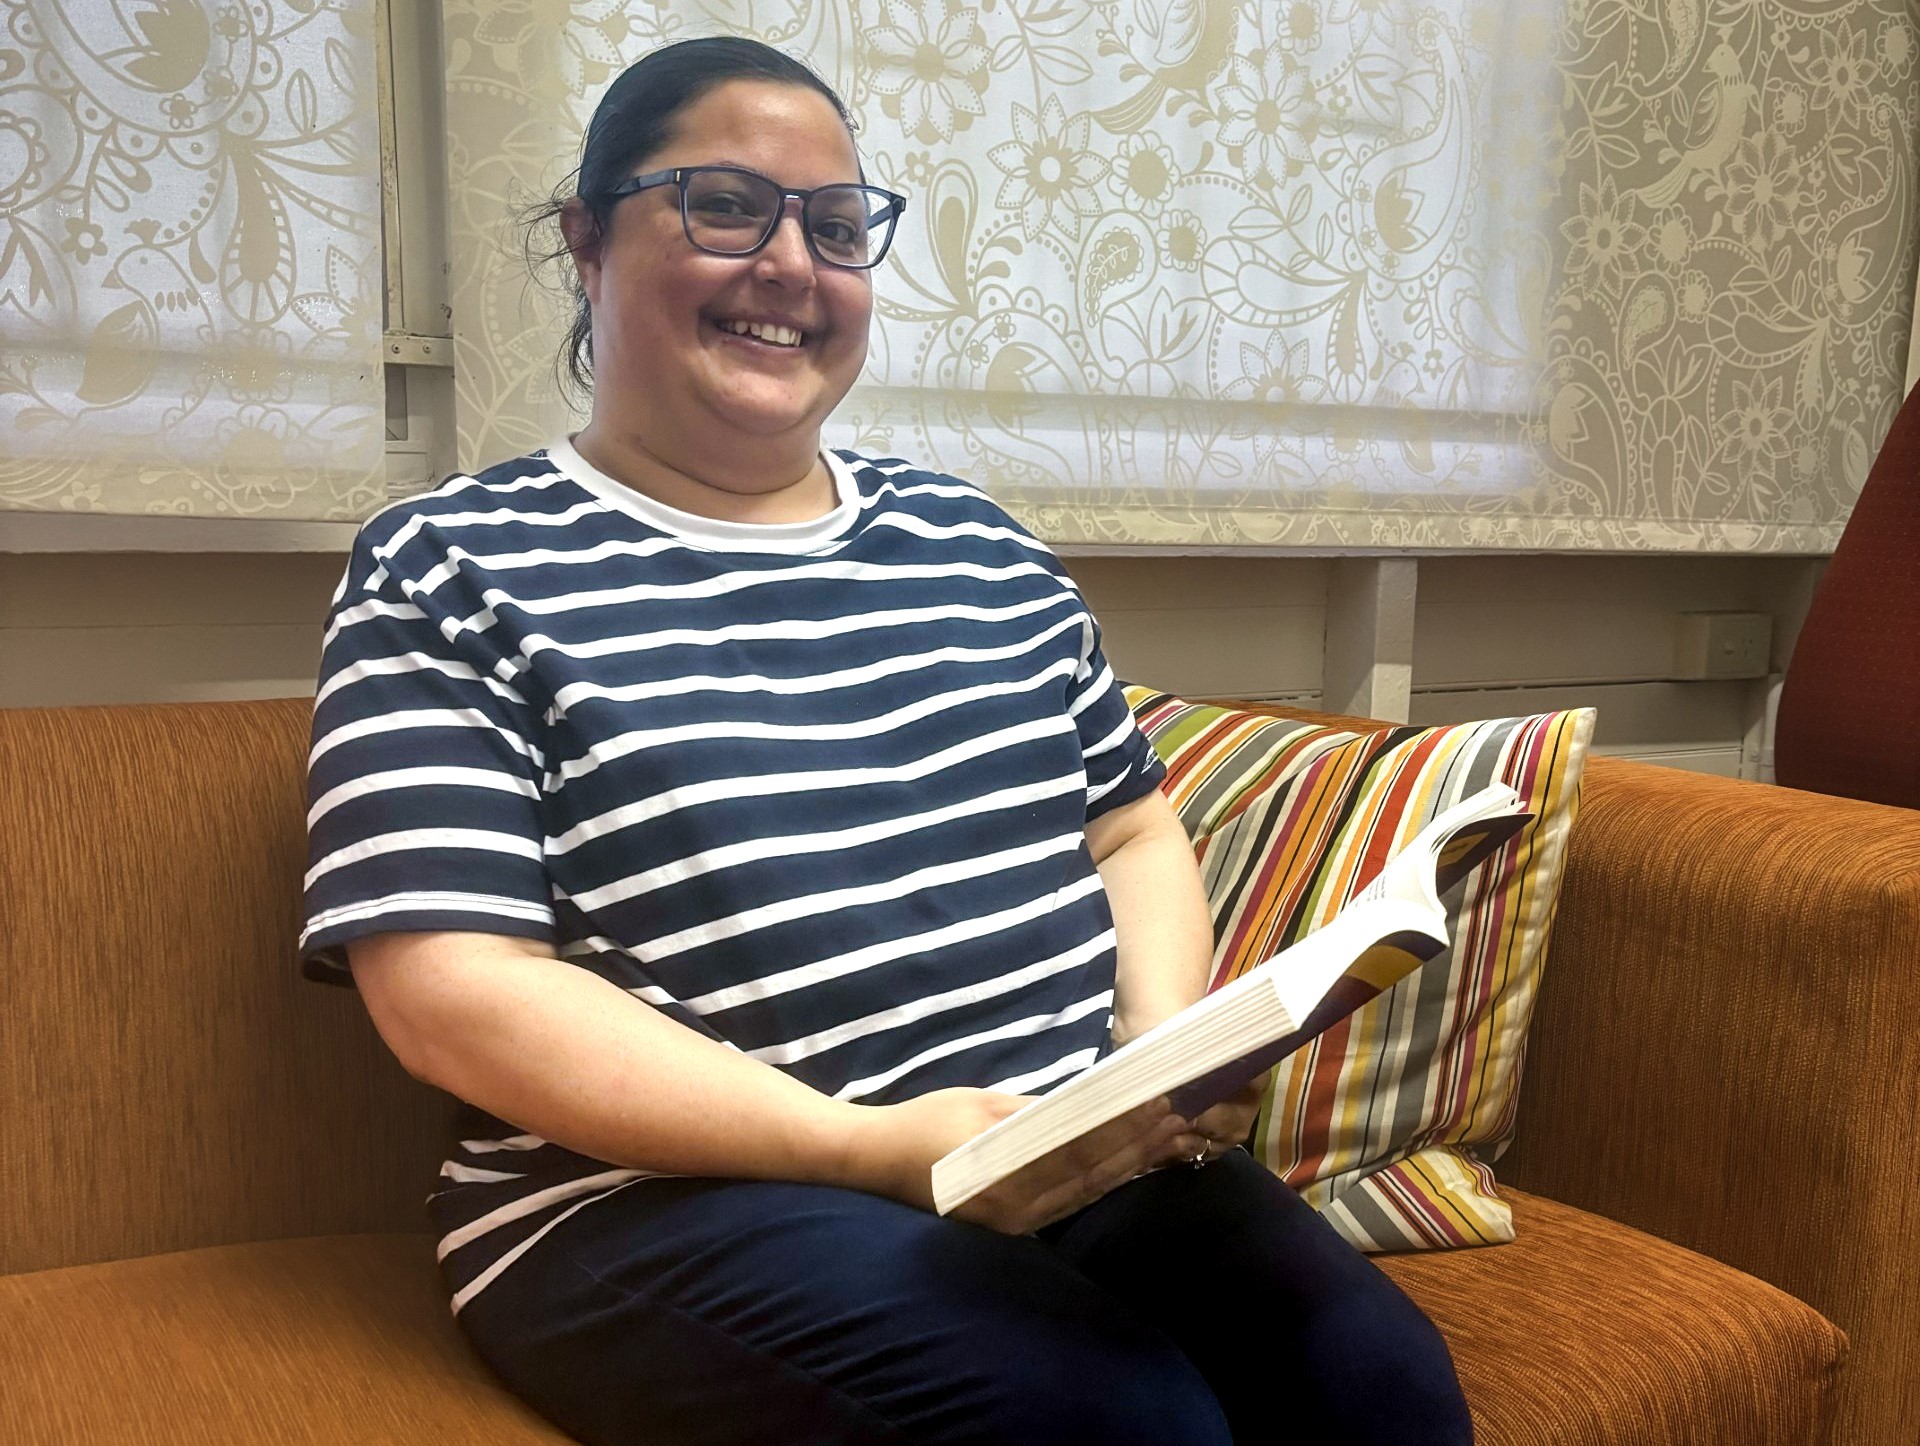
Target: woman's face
x,y
667,368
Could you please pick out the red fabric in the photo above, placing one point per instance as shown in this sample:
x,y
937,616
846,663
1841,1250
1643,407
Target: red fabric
x,y
1849,721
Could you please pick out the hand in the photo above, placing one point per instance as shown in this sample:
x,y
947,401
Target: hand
x,y
1228,1123
896,1146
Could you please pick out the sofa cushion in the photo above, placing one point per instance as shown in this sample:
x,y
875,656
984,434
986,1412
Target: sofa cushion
x,y
1386,1121
334,1339
1587,1333
1582,1333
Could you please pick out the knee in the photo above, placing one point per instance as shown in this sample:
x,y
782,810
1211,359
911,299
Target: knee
x,y
1093,1398
1387,1376
1020,1350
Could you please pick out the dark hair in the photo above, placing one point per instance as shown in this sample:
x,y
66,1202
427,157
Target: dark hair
x,y
634,119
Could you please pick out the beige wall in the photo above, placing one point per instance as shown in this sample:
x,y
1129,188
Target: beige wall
x,y
149,627
124,627
1492,635
1499,636
1211,627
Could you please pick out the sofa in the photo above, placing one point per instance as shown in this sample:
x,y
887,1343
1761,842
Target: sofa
x,y
215,1171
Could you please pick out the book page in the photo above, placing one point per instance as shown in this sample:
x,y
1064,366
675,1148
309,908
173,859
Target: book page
x,y
1211,1050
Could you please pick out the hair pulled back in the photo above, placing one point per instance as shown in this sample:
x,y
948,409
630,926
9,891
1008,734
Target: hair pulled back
x,y
634,119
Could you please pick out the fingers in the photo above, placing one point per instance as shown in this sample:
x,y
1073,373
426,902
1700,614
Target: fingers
x,y
1079,1172
1233,1118
1083,1170
1194,1149
1120,1143
1073,1194
1116,1152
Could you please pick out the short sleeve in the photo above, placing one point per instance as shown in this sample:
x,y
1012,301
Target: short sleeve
x,y
1121,765
423,781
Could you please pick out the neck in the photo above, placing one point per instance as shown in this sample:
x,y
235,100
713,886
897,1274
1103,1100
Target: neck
x,y
777,489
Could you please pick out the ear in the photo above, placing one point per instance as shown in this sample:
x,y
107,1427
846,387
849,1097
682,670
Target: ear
x,y
582,234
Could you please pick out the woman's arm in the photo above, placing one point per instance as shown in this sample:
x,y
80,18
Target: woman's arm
x,y
1160,918
558,1051
534,1039
1165,939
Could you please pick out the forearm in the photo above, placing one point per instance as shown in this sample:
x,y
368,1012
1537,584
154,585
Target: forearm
x,y
569,1057
1163,931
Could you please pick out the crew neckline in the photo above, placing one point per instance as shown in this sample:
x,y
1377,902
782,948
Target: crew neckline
x,y
713,532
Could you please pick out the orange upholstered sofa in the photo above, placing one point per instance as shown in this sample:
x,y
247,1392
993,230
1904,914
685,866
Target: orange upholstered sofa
x,y
214,1172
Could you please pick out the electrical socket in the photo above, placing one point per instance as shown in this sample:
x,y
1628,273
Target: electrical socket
x,y
1723,645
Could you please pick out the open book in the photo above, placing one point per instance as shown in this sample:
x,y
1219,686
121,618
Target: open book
x,y
1211,1049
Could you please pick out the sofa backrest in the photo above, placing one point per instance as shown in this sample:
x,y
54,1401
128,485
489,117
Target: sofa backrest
x,y
167,1079
1850,704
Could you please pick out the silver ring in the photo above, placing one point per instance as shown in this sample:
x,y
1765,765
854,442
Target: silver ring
x,y
1200,1157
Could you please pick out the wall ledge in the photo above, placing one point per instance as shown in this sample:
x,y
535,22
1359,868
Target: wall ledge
x,y
88,532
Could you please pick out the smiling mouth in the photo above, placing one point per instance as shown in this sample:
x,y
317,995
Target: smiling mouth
x,y
772,335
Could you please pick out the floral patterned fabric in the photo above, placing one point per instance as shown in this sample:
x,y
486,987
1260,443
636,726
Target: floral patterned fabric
x,y
1429,273
189,262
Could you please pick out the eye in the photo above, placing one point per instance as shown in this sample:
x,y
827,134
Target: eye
x,y
724,203
839,231
727,201
838,220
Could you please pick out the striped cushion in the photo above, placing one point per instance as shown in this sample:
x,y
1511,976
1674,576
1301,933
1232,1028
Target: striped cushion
x,y
1386,1122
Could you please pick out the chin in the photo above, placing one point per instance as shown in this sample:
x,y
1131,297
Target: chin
x,y
769,423
771,416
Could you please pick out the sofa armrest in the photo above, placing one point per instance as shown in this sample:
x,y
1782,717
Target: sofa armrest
x,y
1726,1047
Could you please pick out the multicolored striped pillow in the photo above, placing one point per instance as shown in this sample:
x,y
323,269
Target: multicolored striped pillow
x,y
1386,1122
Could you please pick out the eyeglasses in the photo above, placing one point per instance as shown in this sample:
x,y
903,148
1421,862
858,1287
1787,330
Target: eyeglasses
x,y
732,212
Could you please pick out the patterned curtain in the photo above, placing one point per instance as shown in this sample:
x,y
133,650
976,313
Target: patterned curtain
x,y
1403,273
189,258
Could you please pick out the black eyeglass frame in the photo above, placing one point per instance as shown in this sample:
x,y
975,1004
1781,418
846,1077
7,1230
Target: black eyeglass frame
x,y
894,205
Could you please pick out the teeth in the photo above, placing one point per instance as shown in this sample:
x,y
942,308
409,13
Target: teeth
x,y
778,335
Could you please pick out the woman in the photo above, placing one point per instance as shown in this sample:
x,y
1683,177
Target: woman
x,y
749,826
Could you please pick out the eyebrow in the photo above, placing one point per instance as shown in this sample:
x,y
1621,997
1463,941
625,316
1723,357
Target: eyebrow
x,y
743,166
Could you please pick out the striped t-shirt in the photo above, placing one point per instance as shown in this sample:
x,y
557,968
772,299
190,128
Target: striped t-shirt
x,y
817,790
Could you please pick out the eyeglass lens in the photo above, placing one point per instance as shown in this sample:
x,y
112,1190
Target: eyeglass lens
x,y
731,213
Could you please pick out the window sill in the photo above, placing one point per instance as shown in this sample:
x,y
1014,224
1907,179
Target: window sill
x,y
83,532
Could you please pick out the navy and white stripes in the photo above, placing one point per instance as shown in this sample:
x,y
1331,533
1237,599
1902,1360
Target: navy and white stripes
x,y
819,791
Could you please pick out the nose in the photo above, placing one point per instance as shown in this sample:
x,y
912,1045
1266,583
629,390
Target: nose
x,y
785,258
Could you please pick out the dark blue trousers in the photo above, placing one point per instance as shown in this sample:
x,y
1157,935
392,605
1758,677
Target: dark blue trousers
x,y
1187,1307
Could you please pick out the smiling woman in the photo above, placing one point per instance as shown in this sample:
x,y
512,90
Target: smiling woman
x,y
691,395
737,827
